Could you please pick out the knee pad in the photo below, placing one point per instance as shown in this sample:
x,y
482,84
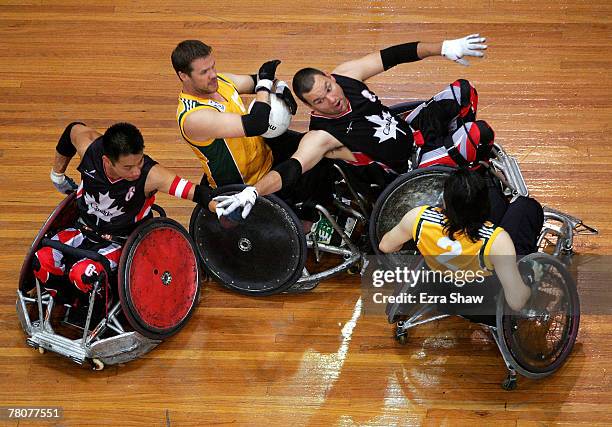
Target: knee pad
x,y
468,101
84,273
44,264
487,138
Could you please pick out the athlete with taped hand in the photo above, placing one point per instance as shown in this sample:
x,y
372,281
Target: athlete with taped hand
x,y
117,190
349,122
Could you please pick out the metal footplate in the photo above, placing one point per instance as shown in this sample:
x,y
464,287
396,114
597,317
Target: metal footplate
x,y
69,348
122,348
564,227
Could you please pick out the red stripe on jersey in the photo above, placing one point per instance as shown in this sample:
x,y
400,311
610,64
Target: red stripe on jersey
x,y
472,141
65,236
113,255
362,159
146,208
419,141
446,161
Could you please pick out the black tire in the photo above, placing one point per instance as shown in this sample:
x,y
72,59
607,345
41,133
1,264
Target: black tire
x,y
523,340
262,256
412,189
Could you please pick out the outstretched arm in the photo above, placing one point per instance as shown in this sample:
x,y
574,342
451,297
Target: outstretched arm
x,y
313,147
503,257
395,238
377,62
165,181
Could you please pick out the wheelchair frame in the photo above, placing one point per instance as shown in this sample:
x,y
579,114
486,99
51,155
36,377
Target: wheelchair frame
x,y
558,232
127,344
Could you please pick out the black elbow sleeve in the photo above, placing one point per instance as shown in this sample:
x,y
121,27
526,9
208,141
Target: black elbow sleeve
x,y
256,122
399,54
290,171
64,145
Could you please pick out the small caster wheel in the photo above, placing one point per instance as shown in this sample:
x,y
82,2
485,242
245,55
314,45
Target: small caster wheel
x,y
353,269
509,383
41,350
97,364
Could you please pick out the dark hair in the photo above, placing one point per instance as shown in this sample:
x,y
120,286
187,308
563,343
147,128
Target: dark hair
x,y
186,52
467,205
122,139
304,80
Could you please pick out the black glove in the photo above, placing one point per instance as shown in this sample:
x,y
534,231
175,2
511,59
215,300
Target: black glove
x,y
284,93
268,70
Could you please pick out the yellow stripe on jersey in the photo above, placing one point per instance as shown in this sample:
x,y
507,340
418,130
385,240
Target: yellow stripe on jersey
x,y
443,253
241,160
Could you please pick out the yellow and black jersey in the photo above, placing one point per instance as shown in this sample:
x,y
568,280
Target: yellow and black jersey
x,y
443,253
241,160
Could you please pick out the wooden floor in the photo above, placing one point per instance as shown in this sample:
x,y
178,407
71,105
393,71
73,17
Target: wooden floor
x,y
310,359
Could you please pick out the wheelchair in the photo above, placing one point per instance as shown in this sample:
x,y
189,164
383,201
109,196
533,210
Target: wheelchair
x,y
267,253
155,290
533,347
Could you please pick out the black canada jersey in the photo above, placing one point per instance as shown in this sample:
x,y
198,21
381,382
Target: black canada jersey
x,y
368,127
111,207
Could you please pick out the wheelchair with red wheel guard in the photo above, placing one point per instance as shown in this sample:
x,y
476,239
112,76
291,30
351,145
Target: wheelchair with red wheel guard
x,y
150,298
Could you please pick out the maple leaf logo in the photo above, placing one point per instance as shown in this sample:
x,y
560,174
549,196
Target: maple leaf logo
x,y
387,126
369,95
102,209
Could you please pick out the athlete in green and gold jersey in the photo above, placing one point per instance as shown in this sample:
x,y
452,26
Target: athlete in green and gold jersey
x,y
213,120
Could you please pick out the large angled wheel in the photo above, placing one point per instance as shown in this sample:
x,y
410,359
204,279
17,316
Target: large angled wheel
x,y
264,255
412,189
539,344
158,279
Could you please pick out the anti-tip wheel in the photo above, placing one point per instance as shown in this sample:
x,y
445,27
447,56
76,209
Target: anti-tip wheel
x,y
97,364
402,338
509,383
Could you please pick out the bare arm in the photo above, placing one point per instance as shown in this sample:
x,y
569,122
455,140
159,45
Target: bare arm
x,y
244,83
372,64
503,257
395,238
207,123
81,137
313,147
162,180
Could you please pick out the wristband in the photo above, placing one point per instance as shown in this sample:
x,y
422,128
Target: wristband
x,y
264,84
57,178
